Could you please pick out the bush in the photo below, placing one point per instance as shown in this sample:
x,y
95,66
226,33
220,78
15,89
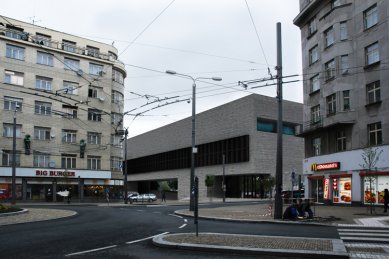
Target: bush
x,y
6,208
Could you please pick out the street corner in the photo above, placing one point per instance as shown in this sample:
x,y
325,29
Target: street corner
x,y
254,245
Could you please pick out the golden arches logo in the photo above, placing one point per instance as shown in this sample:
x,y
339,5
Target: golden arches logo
x,y
313,167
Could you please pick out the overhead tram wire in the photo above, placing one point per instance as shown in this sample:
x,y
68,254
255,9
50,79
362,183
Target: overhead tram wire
x,y
125,49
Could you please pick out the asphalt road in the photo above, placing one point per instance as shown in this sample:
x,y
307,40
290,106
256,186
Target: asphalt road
x,y
126,232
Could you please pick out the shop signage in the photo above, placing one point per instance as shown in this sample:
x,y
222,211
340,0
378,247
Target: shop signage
x,y
54,173
325,166
335,184
326,188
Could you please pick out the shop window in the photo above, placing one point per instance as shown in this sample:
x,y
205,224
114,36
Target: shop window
x,y
8,158
341,188
375,134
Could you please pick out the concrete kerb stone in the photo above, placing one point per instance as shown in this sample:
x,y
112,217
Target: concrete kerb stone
x,y
338,248
14,213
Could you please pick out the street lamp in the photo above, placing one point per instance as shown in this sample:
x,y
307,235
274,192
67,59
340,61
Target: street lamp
x,y
13,200
125,133
194,149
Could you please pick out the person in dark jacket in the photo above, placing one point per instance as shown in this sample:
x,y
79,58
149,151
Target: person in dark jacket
x,y
386,200
291,212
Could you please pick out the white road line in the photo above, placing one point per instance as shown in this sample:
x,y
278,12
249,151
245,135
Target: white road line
x,y
174,215
92,250
185,220
146,238
183,226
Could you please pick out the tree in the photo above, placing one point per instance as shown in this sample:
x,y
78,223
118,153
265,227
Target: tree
x,y
370,157
268,183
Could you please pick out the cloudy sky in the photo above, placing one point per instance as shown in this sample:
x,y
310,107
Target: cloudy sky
x,y
232,39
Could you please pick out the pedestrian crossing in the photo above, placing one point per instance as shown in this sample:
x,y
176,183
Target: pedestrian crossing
x,y
365,242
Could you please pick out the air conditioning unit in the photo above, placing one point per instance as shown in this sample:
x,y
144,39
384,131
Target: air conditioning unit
x,y
52,136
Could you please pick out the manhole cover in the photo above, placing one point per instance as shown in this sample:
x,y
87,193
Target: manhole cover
x,y
366,249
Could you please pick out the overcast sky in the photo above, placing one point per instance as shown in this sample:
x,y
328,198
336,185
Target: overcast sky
x,y
200,38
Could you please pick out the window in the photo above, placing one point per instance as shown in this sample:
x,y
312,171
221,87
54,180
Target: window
x,y
373,92
72,64
41,133
8,156
335,3
346,100
315,83
43,83
116,140
117,97
41,159
15,52
116,118
92,92
14,78
95,69
329,37
8,130
343,31
69,46
313,55
92,51
375,134
69,136
344,64
267,125
16,33
330,69
69,111
340,141
331,104
45,58
312,28
117,76
10,103
68,161
70,87
94,162
94,138
372,54
316,144
43,39
94,115
116,163
370,17
315,114
42,108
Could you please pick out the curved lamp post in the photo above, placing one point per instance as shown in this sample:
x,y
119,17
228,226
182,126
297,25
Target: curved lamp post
x,y
194,149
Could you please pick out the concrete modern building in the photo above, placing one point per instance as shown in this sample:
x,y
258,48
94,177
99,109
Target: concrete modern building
x,y
346,99
66,94
244,131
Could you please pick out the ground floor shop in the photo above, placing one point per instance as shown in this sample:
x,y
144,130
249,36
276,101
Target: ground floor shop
x,y
34,184
340,179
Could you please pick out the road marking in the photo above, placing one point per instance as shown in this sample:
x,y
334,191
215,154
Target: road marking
x,y
92,250
185,220
140,210
174,215
183,226
157,212
146,238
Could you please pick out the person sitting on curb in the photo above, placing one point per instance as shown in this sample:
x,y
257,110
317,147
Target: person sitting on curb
x,y
307,208
291,212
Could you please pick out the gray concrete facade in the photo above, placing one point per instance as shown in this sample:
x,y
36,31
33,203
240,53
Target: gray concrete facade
x,y
230,120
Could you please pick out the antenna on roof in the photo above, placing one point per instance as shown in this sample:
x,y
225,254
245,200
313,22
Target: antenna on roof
x,y
32,18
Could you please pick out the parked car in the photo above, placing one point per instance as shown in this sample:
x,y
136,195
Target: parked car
x,y
145,197
132,194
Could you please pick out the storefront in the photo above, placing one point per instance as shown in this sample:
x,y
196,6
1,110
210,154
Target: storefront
x,y
374,184
44,184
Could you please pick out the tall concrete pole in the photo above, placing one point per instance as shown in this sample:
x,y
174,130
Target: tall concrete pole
x,y
13,199
278,197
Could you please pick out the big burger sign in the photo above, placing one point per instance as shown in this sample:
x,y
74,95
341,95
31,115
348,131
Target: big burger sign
x,y
326,166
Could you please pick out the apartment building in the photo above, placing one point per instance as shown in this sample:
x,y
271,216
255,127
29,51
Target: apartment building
x,y
62,95
346,99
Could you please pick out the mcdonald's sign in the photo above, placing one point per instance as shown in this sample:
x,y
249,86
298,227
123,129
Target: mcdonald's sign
x,y
325,166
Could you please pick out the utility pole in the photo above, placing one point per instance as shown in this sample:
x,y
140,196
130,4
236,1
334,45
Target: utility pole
x,y
278,197
13,199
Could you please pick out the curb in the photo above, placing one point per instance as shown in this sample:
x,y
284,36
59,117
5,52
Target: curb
x,y
339,250
7,214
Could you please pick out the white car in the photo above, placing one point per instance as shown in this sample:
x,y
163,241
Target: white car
x,y
149,197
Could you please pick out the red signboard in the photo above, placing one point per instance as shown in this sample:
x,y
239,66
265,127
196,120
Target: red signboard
x,y
325,166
